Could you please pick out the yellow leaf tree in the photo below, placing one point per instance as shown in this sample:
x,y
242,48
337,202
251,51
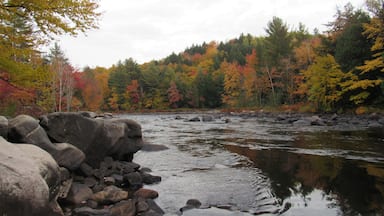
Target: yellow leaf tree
x,y
324,80
372,72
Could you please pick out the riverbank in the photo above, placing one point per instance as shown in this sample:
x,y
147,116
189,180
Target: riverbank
x,y
73,164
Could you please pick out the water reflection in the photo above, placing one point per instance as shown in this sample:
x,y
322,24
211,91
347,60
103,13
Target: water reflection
x,y
352,186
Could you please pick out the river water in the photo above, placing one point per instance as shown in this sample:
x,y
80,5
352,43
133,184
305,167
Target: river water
x,y
258,166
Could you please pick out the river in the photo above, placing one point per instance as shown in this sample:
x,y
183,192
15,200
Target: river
x,y
258,166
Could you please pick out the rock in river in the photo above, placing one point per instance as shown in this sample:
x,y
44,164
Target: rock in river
x,y
26,129
97,138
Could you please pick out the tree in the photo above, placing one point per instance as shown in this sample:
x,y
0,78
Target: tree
x,y
374,30
62,78
52,17
120,77
349,37
324,82
372,71
278,50
174,96
133,95
278,41
233,82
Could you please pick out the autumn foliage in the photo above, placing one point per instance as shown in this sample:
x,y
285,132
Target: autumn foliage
x,y
340,69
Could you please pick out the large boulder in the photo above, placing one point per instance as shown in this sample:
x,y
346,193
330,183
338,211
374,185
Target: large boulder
x,y
26,129
3,127
29,181
97,138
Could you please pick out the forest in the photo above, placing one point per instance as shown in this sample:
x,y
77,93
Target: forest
x,y
339,70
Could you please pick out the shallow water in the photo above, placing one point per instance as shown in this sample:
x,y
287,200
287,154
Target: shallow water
x,y
255,166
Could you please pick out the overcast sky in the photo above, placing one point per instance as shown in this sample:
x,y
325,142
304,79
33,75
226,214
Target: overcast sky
x,y
152,29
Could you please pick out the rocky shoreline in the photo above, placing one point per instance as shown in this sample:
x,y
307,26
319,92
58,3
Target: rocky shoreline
x,y
76,164
80,164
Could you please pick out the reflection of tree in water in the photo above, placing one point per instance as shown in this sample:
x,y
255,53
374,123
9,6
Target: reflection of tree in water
x,y
355,184
354,189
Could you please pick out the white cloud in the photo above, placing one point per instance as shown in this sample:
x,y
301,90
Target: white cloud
x,y
152,29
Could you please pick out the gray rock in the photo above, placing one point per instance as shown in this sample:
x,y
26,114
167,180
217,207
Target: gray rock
x,y
26,129
302,122
194,203
154,207
86,170
30,181
191,204
87,211
134,179
109,180
142,206
68,155
207,118
90,181
79,193
97,138
150,179
316,120
3,127
194,119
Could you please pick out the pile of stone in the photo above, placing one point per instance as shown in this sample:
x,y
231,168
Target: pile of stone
x,y
76,164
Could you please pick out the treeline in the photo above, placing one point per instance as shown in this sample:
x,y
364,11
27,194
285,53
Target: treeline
x,y
340,69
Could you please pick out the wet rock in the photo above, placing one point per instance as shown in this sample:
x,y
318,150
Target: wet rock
x,y
194,119
150,179
207,118
87,211
118,179
86,170
3,127
124,208
92,204
151,213
141,206
146,193
26,129
194,203
109,180
90,181
302,122
152,147
316,120
154,208
97,138
191,204
110,194
98,187
79,193
334,117
134,179
374,124
29,182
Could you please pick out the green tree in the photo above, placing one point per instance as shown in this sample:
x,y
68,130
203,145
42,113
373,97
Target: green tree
x,y
121,76
278,41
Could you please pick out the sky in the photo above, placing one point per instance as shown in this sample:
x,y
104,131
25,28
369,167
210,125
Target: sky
x,y
146,30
